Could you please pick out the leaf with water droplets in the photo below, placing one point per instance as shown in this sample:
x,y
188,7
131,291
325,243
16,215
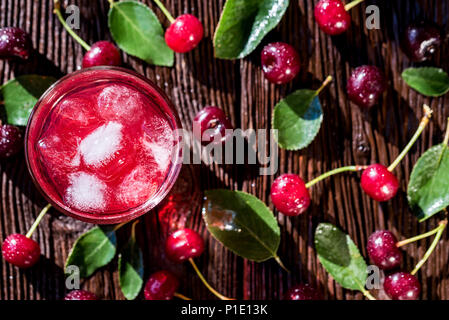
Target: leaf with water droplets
x,y
298,119
242,223
244,23
340,257
427,190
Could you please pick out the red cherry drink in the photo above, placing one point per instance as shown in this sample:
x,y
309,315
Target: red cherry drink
x,y
101,145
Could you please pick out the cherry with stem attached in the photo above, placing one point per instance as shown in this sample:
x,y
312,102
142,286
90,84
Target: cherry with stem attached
x,y
332,15
185,32
378,181
101,53
20,250
186,244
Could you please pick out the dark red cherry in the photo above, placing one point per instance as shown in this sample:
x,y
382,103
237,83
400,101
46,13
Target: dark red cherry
x,y
402,286
11,141
80,295
366,85
183,245
21,251
379,183
302,292
280,62
210,125
332,17
184,33
161,285
383,251
421,40
102,53
14,43
290,195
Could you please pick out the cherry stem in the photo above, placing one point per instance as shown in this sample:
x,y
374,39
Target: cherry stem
x,y
208,286
446,137
57,11
118,226
364,291
333,172
165,11
181,296
352,4
38,220
422,125
279,261
325,83
432,246
133,229
418,237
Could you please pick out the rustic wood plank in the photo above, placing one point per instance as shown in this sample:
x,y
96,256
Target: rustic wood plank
x,y
349,135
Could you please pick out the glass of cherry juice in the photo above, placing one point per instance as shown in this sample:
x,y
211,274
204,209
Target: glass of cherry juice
x,y
101,145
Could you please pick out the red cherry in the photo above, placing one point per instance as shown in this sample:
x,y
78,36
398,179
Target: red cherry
x,y
210,125
14,43
366,85
383,251
80,295
161,285
11,141
302,292
102,53
402,286
184,33
290,195
332,17
183,245
379,183
280,62
21,251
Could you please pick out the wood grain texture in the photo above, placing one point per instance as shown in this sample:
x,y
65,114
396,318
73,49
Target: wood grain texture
x,y
349,135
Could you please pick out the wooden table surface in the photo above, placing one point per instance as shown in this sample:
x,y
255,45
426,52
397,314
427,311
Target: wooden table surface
x,y
349,135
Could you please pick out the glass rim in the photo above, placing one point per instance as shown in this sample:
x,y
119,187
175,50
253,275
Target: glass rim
x,y
130,214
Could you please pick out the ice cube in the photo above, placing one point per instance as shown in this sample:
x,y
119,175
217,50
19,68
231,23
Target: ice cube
x,y
118,102
157,141
100,145
137,187
85,192
76,111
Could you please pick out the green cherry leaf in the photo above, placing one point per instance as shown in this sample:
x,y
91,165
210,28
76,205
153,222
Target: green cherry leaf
x,y
427,190
137,31
21,94
340,257
243,25
429,81
242,223
93,250
298,119
130,267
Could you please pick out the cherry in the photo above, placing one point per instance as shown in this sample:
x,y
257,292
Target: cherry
x,y
80,295
379,183
383,251
290,195
161,285
366,85
421,40
402,286
11,140
102,53
280,62
21,251
332,17
14,43
183,245
302,292
184,33
210,125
